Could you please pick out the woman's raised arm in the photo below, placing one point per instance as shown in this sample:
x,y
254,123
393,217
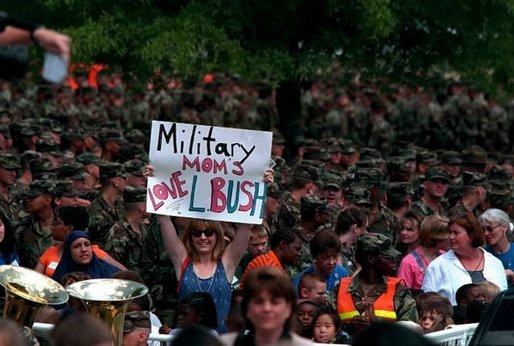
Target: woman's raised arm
x,y
172,242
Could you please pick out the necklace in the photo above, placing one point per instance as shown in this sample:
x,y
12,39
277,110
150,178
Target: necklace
x,y
477,266
211,280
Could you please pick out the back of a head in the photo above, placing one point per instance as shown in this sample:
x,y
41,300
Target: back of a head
x,y
10,334
204,306
389,334
81,330
76,216
196,335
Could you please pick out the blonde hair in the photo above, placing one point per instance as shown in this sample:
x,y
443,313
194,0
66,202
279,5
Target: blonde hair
x,y
433,228
490,290
258,231
210,225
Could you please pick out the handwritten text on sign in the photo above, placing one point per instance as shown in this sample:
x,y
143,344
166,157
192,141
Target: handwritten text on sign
x,y
208,172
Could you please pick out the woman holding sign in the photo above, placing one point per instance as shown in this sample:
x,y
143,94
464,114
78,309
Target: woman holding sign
x,y
202,260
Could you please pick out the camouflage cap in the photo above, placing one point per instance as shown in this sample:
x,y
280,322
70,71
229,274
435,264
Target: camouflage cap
x,y
374,243
370,153
70,136
65,188
437,173
307,142
278,138
136,319
332,183
316,153
358,195
136,136
474,154
306,171
399,192
40,187
48,146
500,199
451,158
398,164
9,161
275,191
475,179
110,170
72,170
371,163
408,154
111,136
314,203
42,168
334,148
348,148
5,131
29,155
135,167
88,158
499,173
368,176
29,131
134,194
427,157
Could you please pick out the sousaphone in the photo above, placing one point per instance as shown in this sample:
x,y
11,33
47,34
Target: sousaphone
x,y
108,299
27,292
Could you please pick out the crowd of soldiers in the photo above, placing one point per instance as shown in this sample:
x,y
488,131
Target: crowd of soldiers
x,y
361,146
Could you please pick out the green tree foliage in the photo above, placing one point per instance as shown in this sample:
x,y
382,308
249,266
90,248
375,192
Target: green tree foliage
x,y
290,39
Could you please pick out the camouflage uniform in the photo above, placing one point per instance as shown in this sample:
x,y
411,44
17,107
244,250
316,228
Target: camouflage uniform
x,y
31,239
158,273
385,222
420,207
404,304
8,203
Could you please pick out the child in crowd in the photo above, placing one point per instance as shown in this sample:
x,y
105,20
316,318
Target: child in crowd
x,y
313,287
327,327
305,312
436,314
490,291
470,304
257,245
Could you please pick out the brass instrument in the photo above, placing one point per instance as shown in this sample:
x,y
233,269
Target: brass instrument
x,y
27,292
108,299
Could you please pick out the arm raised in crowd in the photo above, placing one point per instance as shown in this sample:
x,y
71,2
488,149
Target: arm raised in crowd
x,y
173,243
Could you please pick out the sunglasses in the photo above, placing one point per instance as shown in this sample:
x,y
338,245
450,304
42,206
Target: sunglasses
x,y
208,233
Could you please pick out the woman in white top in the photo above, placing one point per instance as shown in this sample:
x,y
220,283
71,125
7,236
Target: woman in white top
x,y
465,263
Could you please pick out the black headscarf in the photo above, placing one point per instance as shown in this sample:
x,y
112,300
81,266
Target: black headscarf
x,y
96,268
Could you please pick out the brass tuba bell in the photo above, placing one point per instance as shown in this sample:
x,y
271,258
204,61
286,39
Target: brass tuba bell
x,y
108,299
27,292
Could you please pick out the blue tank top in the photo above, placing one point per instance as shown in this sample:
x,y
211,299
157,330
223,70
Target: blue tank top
x,y
217,286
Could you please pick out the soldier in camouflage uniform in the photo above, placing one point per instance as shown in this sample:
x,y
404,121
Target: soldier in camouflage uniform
x,y
158,272
8,206
107,208
313,216
378,259
475,189
304,180
274,198
434,189
34,232
125,241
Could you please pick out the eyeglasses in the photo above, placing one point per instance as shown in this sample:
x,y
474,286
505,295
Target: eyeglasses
x,y
198,233
490,228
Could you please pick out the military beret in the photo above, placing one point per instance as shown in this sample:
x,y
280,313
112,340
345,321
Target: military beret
x,y
134,194
374,243
9,161
40,187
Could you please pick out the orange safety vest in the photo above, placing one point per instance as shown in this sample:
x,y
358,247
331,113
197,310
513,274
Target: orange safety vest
x,y
383,306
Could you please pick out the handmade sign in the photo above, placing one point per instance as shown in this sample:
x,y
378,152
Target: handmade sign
x,y
208,172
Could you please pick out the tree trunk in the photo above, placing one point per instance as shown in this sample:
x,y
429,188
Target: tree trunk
x,y
289,112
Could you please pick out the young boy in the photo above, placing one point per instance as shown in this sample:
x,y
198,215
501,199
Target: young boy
x,y
312,287
470,304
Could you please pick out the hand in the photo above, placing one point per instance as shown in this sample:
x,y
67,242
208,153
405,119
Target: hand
x,y
149,171
269,176
81,202
53,42
509,273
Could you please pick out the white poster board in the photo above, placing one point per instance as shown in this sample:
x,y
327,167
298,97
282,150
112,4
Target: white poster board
x,y
208,172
